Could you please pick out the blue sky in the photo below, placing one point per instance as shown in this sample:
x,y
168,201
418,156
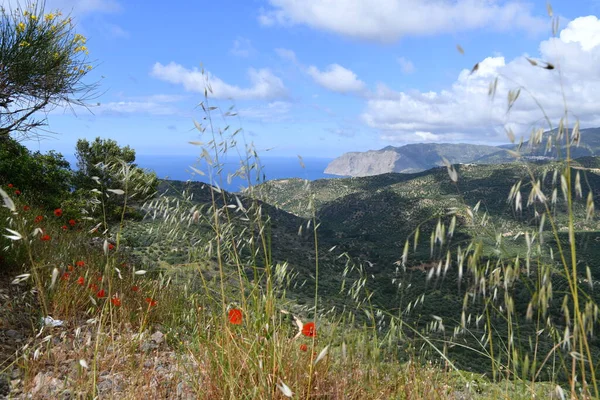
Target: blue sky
x,y
322,77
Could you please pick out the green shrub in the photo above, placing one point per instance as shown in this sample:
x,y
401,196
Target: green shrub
x,y
43,179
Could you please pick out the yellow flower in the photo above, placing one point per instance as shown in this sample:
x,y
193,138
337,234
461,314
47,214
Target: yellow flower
x,y
88,67
49,17
79,38
23,44
34,17
65,22
20,27
81,71
81,48
25,13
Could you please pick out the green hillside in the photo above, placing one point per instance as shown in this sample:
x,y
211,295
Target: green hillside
x,y
370,218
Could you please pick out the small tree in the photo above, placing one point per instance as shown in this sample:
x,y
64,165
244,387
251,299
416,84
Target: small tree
x,y
104,165
97,159
42,178
42,65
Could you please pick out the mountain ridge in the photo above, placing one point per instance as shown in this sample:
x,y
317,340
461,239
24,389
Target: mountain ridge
x,y
418,157
409,158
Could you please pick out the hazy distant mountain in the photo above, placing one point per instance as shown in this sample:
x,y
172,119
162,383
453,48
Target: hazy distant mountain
x,y
423,156
406,159
589,146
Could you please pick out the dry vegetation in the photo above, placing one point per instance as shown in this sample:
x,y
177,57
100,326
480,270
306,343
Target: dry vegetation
x,y
230,318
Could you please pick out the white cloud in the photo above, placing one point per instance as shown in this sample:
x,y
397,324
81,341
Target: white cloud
x,y
135,107
157,104
265,85
342,132
393,19
275,111
427,136
465,112
242,47
407,66
337,79
76,7
115,31
160,98
286,54
584,31
80,10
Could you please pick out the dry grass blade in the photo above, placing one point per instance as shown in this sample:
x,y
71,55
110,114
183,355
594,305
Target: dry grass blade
x,y
54,277
196,170
8,203
589,209
284,389
474,69
20,278
510,134
322,354
14,235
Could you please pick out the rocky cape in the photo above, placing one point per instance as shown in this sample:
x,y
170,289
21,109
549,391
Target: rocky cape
x,y
407,159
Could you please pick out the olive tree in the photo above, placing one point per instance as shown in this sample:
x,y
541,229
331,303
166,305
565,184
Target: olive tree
x,y
105,167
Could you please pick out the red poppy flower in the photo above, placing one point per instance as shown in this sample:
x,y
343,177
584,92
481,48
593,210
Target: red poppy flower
x,y
26,208
116,301
93,286
17,192
38,219
111,246
99,278
10,185
303,347
309,329
235,316
72,222
80,263
81,281
64,227
70,267
151,302
45,238
135,288
101,293
58,212
65,276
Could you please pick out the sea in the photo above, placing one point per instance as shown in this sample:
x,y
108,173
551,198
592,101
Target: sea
x,y
179,168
